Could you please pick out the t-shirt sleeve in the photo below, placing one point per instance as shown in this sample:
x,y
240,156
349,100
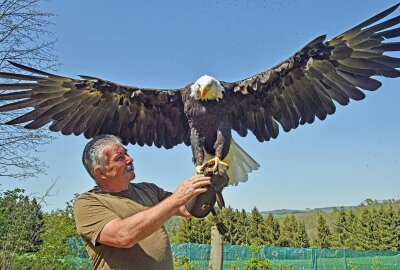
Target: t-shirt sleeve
x,y
91,216
157,194
162,194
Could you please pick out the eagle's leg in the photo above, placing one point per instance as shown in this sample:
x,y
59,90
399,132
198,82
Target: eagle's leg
x,y
214,162
222,229
199,169
220,199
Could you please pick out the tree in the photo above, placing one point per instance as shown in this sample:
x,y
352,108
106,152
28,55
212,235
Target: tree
x,y
323,238
366,230
61,246
351,228
21,224
301,238
396,240
288,230
340,230
229,218
194,230
387,229
243,225
24,38
272,228
256,228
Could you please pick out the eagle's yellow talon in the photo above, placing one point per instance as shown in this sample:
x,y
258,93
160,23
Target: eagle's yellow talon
x,y
200,169
215,162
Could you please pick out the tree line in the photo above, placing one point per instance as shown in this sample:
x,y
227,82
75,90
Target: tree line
x,y
33,239
371,227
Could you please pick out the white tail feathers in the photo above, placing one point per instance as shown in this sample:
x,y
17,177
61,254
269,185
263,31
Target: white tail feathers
x,y
240,164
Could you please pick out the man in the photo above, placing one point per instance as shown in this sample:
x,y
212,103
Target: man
x,y
121,222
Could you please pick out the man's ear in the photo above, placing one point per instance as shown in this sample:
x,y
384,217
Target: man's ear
x,y
98,173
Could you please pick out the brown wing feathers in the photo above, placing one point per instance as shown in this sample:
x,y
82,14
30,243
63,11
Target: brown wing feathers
x,y
93,106
305,86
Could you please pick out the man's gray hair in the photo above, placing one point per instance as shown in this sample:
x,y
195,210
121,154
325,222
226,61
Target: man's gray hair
x,y
93,154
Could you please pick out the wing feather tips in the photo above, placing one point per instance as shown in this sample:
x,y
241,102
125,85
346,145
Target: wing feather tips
x,y
16,95
25,118
18,105
368,22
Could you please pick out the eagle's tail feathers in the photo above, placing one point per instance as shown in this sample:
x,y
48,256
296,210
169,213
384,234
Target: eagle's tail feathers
x,y
240,164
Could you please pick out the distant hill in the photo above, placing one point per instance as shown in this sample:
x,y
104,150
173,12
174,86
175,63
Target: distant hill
x,y
292,212
308,216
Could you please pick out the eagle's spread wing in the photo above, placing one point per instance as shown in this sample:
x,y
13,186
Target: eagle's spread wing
x,y
93,106
305,85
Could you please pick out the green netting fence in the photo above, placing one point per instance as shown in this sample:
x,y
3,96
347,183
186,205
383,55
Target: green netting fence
x,y
293,258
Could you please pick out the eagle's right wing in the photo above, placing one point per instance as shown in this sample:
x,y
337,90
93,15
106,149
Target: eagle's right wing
x,y
94,106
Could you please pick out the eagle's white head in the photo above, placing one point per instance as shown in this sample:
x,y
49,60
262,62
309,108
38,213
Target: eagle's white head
x,y
206,88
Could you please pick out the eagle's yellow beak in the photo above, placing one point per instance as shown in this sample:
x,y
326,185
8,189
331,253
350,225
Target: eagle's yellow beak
x,y
204,91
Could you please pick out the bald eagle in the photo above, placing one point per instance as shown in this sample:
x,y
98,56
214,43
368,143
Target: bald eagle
x,y
203,114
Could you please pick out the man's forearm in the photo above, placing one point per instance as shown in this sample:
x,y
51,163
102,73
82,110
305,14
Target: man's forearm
x,y
125,233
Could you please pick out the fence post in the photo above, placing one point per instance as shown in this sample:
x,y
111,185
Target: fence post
x,y
314,259
217,250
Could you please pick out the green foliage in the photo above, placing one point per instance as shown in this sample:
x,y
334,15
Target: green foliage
x,y
242,228
301,238
21,224
58,227
288,231
193,230
377,265
371,227
272,230
259,264
230,219
30,239
256,262
323,239
256,229
352,265
172,225
182,263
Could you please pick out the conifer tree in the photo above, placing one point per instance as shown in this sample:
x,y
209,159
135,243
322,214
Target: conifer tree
x,y
351,229
396,240
191,230
237,230
243,223
366,230
301,238
272,230
288,229
21,222
230,220
323,238
256,228
385,230
340,230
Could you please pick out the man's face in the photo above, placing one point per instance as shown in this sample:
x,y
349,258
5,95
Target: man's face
x,y
119,168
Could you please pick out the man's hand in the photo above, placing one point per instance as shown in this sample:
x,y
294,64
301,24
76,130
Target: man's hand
x,y
126,232
189,188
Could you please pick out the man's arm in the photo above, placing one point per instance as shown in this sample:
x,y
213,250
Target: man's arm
x,y
183,212
125,233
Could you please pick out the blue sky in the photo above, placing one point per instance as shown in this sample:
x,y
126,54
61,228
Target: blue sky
x,y
351,156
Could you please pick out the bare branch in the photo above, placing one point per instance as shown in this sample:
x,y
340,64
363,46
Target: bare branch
x,y
24,38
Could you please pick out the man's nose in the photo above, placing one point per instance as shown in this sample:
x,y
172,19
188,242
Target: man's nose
x,y
129,159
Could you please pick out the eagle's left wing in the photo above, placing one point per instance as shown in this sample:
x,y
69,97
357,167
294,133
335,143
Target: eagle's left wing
x,y
305,85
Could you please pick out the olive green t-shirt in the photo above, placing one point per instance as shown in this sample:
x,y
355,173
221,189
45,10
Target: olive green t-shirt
x,y
94,209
